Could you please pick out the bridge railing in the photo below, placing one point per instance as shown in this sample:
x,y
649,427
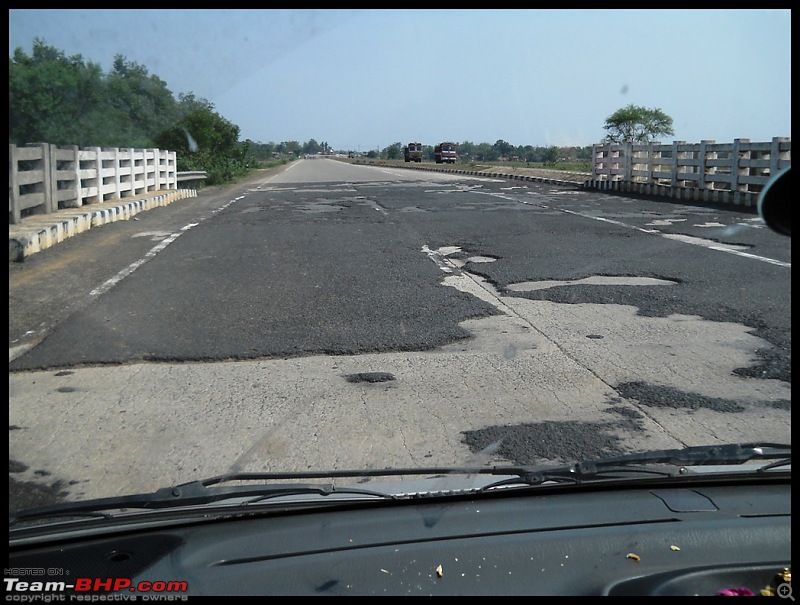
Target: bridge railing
x,y
45,178
707,170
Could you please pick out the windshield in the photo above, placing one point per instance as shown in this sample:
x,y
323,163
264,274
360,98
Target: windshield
x,y
223,261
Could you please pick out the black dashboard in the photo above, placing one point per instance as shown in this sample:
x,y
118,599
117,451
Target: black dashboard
x,y
689,540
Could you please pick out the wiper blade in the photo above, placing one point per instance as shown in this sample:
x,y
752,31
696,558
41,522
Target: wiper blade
x,y
208,491
668,463
733,453
190,494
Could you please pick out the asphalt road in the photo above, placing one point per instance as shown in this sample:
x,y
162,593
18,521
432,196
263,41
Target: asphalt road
x,y
349,316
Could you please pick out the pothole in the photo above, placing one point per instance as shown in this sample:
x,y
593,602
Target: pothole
x,y
370,377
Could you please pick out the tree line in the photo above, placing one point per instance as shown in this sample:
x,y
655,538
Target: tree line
x,y
65,100
500,151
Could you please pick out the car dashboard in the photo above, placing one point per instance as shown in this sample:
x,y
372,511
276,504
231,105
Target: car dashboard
x,y
692,539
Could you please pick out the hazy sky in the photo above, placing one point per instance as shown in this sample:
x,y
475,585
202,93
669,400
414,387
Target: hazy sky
x,y
364,79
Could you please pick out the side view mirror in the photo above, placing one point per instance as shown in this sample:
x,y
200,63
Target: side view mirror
x,y
773,203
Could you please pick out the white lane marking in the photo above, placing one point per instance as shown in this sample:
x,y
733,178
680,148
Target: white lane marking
x,y
17,351
159,235
754,257
699,241
110,283
437,257
687,239
608,220
666,221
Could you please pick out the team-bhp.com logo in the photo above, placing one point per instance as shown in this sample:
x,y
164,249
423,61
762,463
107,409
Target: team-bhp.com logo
x,y
93,589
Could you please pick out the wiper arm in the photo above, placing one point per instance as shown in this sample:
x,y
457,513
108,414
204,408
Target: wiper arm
x,y
189,494
665,463
733,453
206,491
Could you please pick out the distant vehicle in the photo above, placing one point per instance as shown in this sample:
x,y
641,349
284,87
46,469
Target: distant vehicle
x,y
351,154
445,153
413,152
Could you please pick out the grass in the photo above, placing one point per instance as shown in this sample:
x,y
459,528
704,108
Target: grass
x,y
566,166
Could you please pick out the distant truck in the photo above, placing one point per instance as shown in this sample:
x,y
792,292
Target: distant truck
x,y
413,152
445,153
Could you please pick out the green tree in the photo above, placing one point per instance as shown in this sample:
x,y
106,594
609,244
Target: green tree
x,y
484,152
637,125
189,103
53,98
206,141
312,147
528,153
145,100
262,151
585,153
394,151
466,151
293,148
551,156
502,149
66,101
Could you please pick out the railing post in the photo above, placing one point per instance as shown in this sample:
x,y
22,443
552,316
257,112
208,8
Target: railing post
x,y
133,171
98,179
76,165
600,156
628,166
674,180
737,168
50,183
701,168
156,169
776,155
117,181
147,166
15,214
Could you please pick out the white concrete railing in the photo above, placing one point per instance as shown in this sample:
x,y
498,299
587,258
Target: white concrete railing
x,y
45,178
708,171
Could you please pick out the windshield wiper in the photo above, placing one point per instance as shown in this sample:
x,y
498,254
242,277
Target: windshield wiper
x,y
192,494
667,463
208,491
732,453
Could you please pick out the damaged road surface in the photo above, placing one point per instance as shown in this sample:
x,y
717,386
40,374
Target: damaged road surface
x,y
343,316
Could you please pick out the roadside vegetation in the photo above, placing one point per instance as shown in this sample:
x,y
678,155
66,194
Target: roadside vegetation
x,y
566,165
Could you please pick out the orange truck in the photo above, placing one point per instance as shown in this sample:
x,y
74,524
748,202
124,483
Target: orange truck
x,y
445,153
